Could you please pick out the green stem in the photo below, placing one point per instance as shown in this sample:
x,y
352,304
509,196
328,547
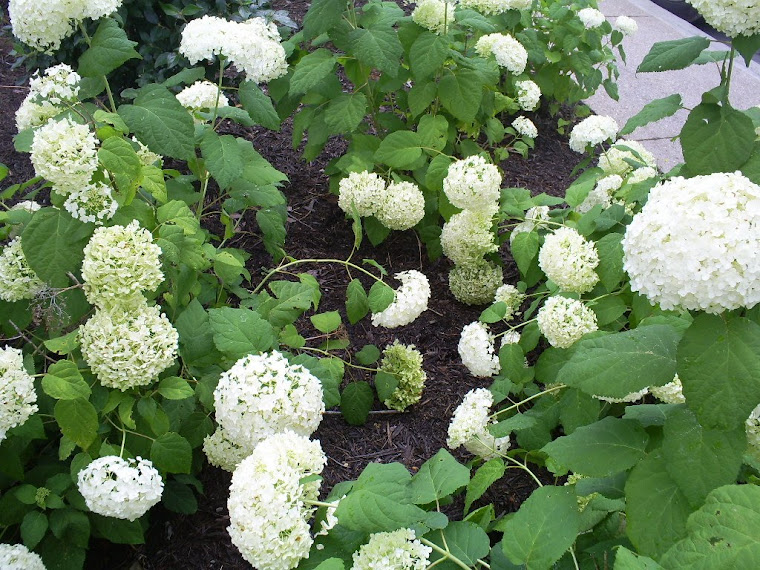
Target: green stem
x,y
730,71
219,89
520,465
346,362
533,397
281,268
323,504
123,441
445,553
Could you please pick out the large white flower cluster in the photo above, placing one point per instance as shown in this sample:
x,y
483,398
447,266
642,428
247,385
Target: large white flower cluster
x,y
469,426
263,394
120,262
490,7
476,349
202,95
434,15
47,96
511,297
252,46
411,299
17,395
269,507
43,25
362,191
506,50
221,451
615,160
473,184
694,244
19,557
528,94
476,283
401,206
569,260
563,321
405,363
65,153
591,17
120,488
128,346
17,280
397,550
626,26
732,17
91,203
525,127
592,130
467,236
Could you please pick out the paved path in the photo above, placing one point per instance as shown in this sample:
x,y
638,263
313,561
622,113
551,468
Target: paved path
x,y
657,24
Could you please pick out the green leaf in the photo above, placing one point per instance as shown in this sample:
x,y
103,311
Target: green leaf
x,y
223,156
656,509
420,96
53,242
259,105
433,131
724,533
577,409
439,477
427,54
238,332
33,528
461,93
600,449
70,525
698,459
357,304
171,452
507,426
377,47
486,475
399,149
118,531
716,139
380,297
175,388
385,384
673,54
196,338
653,111
465,540
344,113
609,309
543,528
719,367
179,498
369,354
118,157
747,46
272,224
63,345
311,69
326,322
293,299
356,402
627,560
524,250
160,122
618,364
610,268
64,382
323,15
331,564
78,420
108,49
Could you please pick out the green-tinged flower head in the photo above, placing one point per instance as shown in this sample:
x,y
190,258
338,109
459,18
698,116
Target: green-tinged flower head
x,y
475,283
17,280
405,363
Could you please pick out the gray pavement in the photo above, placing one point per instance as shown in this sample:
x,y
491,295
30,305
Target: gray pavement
x,y
636,89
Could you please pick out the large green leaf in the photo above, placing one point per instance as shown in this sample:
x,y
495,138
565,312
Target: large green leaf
x,y
438,477
357,305
600,449
356,402
399,149
292,300
322,16
618,364
427,54
223,156
64,382
312,69
344,113
171,452
259,105
627,560
121,160
196,337
543,529
610,268
238,332
377,47
461,93
109,48
653,111
487,474
719,366
53,242
160,122
722,535
673,54
78,420
465,540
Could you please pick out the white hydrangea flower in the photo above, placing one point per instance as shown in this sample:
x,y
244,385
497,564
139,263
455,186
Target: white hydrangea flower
x,y
269,507
591,17
508,52
467,236
91,203
511,297
128,347
569,260
410,300
120,488
401,207
17,280
65,153
97,9
490,7
405,363
433,14
361,190
525,127
473,184
614,160
48,94
732,17
17,395
263,394
628,398
148,157
397,550
476,349
19,557
592,130
28,205
512,337
535,217
670,393
469,426
626,26
694,244
120,262
528,94
752,429
221,451
205,38
202,95
563,321
475,283
641,174
32,114
601,194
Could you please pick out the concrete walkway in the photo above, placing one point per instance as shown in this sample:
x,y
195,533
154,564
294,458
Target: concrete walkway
x,y
657,24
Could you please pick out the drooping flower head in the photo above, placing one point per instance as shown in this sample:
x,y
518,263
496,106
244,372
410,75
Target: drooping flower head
x,y
48,95
626,26
467,236
511,297
563,321
202,95
396,550
361,190
569,260
410,300
19,557
405,363
475,283
222,452
17,280
506,50
592,130
17,395
525,127
528,94
473,184
476,349
732,17
601,194
591,17
65,153
469,426
625,156
401,206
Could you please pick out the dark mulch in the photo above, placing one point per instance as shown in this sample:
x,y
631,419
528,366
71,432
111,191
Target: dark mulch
x,y
317,228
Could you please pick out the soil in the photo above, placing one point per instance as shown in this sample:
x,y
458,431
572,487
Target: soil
x,y
317,228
